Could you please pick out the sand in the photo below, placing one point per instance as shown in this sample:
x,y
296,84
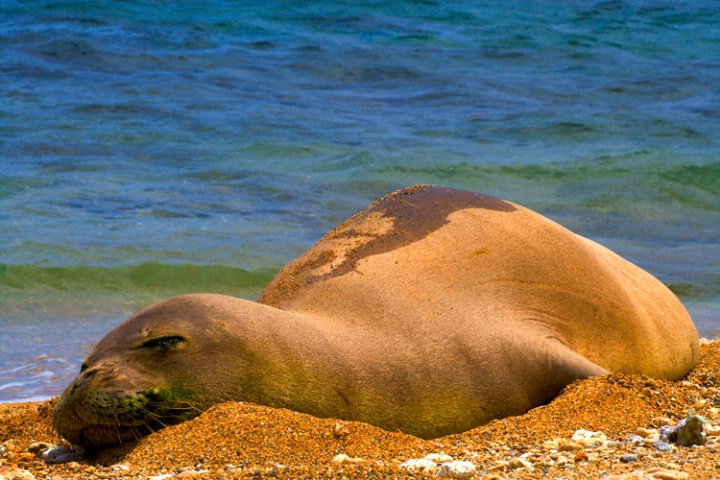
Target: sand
x,y
241,440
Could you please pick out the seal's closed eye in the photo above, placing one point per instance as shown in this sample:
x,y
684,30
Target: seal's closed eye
x,y
163,344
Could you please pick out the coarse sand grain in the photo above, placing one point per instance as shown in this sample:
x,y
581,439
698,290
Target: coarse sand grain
x,y
242,440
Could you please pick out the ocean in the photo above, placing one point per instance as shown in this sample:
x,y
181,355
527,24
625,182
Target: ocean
x,y
153,148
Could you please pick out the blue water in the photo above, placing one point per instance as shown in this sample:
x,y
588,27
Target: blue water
x,y
153,148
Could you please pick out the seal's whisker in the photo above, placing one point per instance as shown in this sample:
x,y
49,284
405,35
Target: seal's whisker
x,y
138,434
118,428
156,418
177,411
187,406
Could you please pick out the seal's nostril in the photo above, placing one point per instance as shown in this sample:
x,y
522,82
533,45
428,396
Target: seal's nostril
x,y
85,376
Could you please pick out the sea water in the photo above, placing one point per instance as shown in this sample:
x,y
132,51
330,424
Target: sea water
x,y
152,148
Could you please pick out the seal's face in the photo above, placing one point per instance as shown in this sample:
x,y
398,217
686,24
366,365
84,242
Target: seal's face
x,y
138,379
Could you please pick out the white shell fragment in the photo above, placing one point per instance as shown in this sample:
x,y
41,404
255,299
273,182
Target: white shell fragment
x,y
438,458
590,439
344,459
428,464
419,465
457,469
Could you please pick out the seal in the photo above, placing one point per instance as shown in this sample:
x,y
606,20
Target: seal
x,y
430,312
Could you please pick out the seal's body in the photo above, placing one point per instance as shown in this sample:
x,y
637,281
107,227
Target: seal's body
x,y
430,312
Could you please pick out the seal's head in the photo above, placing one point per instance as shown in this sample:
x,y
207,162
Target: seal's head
x,y
145,374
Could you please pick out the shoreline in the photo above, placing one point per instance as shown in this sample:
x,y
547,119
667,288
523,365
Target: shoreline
x,y
242,440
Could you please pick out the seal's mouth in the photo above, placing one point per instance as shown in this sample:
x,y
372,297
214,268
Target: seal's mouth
x,y
97,436
100,419
93,436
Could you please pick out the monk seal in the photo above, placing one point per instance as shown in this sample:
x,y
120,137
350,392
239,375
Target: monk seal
x,y
430,312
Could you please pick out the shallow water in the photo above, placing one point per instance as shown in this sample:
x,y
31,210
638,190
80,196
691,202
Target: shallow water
x,y
149,149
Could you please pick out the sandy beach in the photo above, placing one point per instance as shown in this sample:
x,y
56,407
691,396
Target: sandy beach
x,y
621,417
153,149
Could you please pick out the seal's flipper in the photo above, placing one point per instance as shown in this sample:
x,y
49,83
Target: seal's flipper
x,y
561,366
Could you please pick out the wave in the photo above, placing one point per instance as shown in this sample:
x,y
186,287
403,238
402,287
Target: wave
x,y
601,182
150,276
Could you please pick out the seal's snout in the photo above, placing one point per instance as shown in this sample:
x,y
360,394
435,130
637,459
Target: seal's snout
x,y
112,402
82,381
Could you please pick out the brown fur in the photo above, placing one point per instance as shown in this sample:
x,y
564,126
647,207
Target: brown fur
x,y
431,312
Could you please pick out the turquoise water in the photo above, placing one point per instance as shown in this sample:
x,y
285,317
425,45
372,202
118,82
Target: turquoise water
x,y
153,148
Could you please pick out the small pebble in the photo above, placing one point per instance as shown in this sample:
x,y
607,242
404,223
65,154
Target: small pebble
x,y
688,432
581,456
519,463
340,431
38,448
627,458
645,432
571,446
661,422
691,432
662,446
59,455
592,443
665,474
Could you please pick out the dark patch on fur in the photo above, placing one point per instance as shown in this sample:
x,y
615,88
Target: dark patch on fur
x,y
416,212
